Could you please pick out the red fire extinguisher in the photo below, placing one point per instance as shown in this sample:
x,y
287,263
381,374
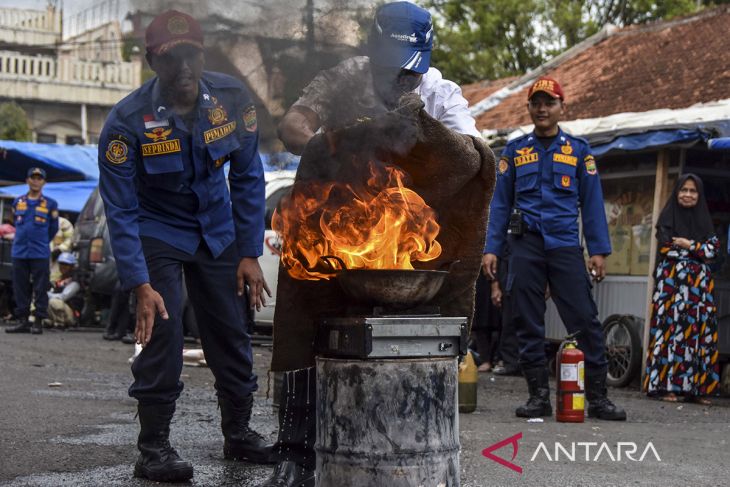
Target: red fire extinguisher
x,y
571,382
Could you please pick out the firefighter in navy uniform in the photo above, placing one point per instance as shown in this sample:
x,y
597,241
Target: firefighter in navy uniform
x,y
544,178
36,223
168,208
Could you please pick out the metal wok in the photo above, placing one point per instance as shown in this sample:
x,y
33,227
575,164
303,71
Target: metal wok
x,y
395,288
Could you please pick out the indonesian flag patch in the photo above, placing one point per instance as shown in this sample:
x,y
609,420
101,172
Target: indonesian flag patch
x,y
151,123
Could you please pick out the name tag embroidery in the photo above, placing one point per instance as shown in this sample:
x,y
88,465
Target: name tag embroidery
x,y
219,132
565,159
159,148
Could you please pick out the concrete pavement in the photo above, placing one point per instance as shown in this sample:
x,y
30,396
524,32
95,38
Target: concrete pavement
x,y
83,432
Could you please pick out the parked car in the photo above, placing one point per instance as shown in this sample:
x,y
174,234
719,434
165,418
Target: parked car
x,y
97,267
278,183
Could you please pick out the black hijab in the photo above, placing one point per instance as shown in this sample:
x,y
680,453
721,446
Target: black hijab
x,y
691,223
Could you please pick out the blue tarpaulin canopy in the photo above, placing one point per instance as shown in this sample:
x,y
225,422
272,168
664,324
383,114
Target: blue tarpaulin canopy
x,y
61,162
650,140
70,195
722,143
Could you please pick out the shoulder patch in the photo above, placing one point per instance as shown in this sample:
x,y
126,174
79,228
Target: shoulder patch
x,y
503,166
590,163
116,151
249,119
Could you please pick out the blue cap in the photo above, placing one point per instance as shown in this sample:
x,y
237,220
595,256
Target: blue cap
x,y
67,258
33,171
402,36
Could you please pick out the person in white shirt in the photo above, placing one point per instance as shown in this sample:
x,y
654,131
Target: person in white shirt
x,y
371,85
64,299
357,89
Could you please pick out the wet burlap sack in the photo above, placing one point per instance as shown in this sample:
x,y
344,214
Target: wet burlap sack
x,y
453,173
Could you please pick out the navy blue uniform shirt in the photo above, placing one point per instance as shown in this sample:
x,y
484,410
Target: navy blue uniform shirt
x,y
160,178
549,186
36,223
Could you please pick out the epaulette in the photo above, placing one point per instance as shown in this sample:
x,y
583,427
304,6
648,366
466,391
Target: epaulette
x,y
221,81
579,139
135,101
519,139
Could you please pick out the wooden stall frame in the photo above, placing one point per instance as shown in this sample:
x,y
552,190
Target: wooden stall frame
x,y
661,181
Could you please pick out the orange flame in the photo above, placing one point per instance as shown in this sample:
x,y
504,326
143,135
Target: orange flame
x,y
379,225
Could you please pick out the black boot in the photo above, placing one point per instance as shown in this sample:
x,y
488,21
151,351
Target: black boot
x,y
36,327
599,405
538,385
241,442
290,474
23,326
157,460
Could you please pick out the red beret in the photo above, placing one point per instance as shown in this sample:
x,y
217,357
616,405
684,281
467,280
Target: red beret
x,y
171,28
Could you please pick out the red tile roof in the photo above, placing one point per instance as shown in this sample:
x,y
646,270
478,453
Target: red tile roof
x,y
476,92
671,64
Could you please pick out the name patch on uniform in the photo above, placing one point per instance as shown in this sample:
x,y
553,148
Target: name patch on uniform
x,y
565,181
116,152
158,148
526,156
526,159
590,163
570,160
219,132
42,209
503,165
249,119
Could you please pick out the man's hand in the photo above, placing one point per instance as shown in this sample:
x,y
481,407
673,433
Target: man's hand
x,y
489,265
249,272
496,294
149,303
682,242
597,266
297,127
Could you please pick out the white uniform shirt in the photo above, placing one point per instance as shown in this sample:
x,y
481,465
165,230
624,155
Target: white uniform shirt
x,y
344,93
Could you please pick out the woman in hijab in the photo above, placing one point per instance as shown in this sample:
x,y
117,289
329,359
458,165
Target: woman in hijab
x,y
682,352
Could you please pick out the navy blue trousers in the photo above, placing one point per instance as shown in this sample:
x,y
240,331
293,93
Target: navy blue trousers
x,y
31,278
221,317
531,269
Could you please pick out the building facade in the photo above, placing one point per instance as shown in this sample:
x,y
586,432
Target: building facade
x,y
66,86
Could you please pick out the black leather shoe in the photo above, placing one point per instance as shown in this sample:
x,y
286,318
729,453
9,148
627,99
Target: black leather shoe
x,y
512,370
538,385
241,442
36,328
158,460
129,339
290,474
112,337
22,327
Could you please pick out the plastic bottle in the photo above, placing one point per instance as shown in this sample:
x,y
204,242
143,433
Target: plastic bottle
x,y
468,376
